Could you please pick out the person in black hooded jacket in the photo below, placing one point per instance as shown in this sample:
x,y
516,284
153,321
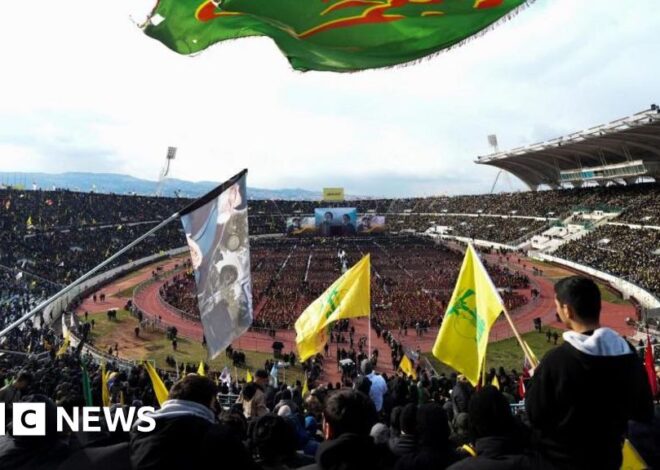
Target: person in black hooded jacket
x,y
584,392
347,420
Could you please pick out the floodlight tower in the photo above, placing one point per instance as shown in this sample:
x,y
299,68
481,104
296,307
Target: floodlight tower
x,y
492,141
165,171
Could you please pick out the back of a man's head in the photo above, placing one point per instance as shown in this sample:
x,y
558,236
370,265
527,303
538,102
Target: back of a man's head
x,y
273,439
490,413
195,388
408,419
582,295
349,411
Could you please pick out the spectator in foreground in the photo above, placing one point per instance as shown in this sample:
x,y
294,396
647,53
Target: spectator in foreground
x,y
493,427
583,392
187,434
378,386
433,449
12,392
348,417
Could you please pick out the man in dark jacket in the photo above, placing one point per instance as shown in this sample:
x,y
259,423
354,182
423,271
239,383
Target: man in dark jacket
x,y
406,442
347,420
584,392
497,445
187,434
433,449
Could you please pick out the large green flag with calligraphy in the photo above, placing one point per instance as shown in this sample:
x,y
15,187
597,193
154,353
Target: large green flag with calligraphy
x,y
334,35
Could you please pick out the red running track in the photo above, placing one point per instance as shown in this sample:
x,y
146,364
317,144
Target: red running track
x,y
148,300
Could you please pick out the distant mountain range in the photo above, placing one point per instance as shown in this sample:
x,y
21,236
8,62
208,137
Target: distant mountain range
x,y
124,184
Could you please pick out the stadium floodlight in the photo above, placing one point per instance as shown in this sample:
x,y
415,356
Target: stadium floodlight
x,y
165,171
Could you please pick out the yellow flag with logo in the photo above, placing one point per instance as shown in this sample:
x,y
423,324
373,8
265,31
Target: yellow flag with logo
x,y
248,377
348,297
159,387
200,369
472,310
406,366
305,389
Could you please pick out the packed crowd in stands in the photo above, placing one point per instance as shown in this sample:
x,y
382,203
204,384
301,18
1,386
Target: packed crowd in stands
x,y
572,412
632,254
495,229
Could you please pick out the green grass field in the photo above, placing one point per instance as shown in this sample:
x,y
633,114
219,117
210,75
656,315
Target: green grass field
x,y
507,353
155,346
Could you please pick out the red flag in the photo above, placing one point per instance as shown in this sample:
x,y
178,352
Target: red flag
x,y
521,387
649,364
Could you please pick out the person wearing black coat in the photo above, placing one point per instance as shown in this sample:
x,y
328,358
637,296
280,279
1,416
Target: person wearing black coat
x,y
348,418
584,392
187,433
497,444
433,449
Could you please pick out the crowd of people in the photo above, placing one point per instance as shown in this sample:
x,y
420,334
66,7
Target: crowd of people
x,y
628,253
573,411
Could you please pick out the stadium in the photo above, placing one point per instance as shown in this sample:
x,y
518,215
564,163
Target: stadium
x,y
504,330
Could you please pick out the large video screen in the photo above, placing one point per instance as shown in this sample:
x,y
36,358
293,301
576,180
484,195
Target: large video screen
x,y
336,221
371,224
297,226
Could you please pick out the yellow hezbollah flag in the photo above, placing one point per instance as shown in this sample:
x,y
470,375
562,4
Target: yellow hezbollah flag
x,y
159,387
348,297
631,458
305,389
406,365
65,344
105,393
28,222
472,310
200,369
248,376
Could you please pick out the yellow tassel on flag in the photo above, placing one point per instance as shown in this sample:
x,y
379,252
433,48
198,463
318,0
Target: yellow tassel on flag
x,y
105,392
631,458
495,382
472,310
159,387
406,366
348,297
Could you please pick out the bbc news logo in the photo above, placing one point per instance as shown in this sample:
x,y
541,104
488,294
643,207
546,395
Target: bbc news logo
x,y
29,419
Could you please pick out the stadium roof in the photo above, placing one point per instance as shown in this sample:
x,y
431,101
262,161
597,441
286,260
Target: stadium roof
x,y
607,147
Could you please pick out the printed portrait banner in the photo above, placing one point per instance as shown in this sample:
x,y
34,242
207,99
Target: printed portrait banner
x,y
371,224
329,35
297,226
336,221
217,234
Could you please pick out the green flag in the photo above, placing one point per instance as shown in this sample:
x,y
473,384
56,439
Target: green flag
x,y
87,389
332,35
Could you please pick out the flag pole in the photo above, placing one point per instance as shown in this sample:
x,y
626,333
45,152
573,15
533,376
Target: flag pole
x,y
369,334
85,276
523,345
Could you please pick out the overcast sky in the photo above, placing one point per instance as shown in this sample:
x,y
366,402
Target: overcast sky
x,y
82,89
